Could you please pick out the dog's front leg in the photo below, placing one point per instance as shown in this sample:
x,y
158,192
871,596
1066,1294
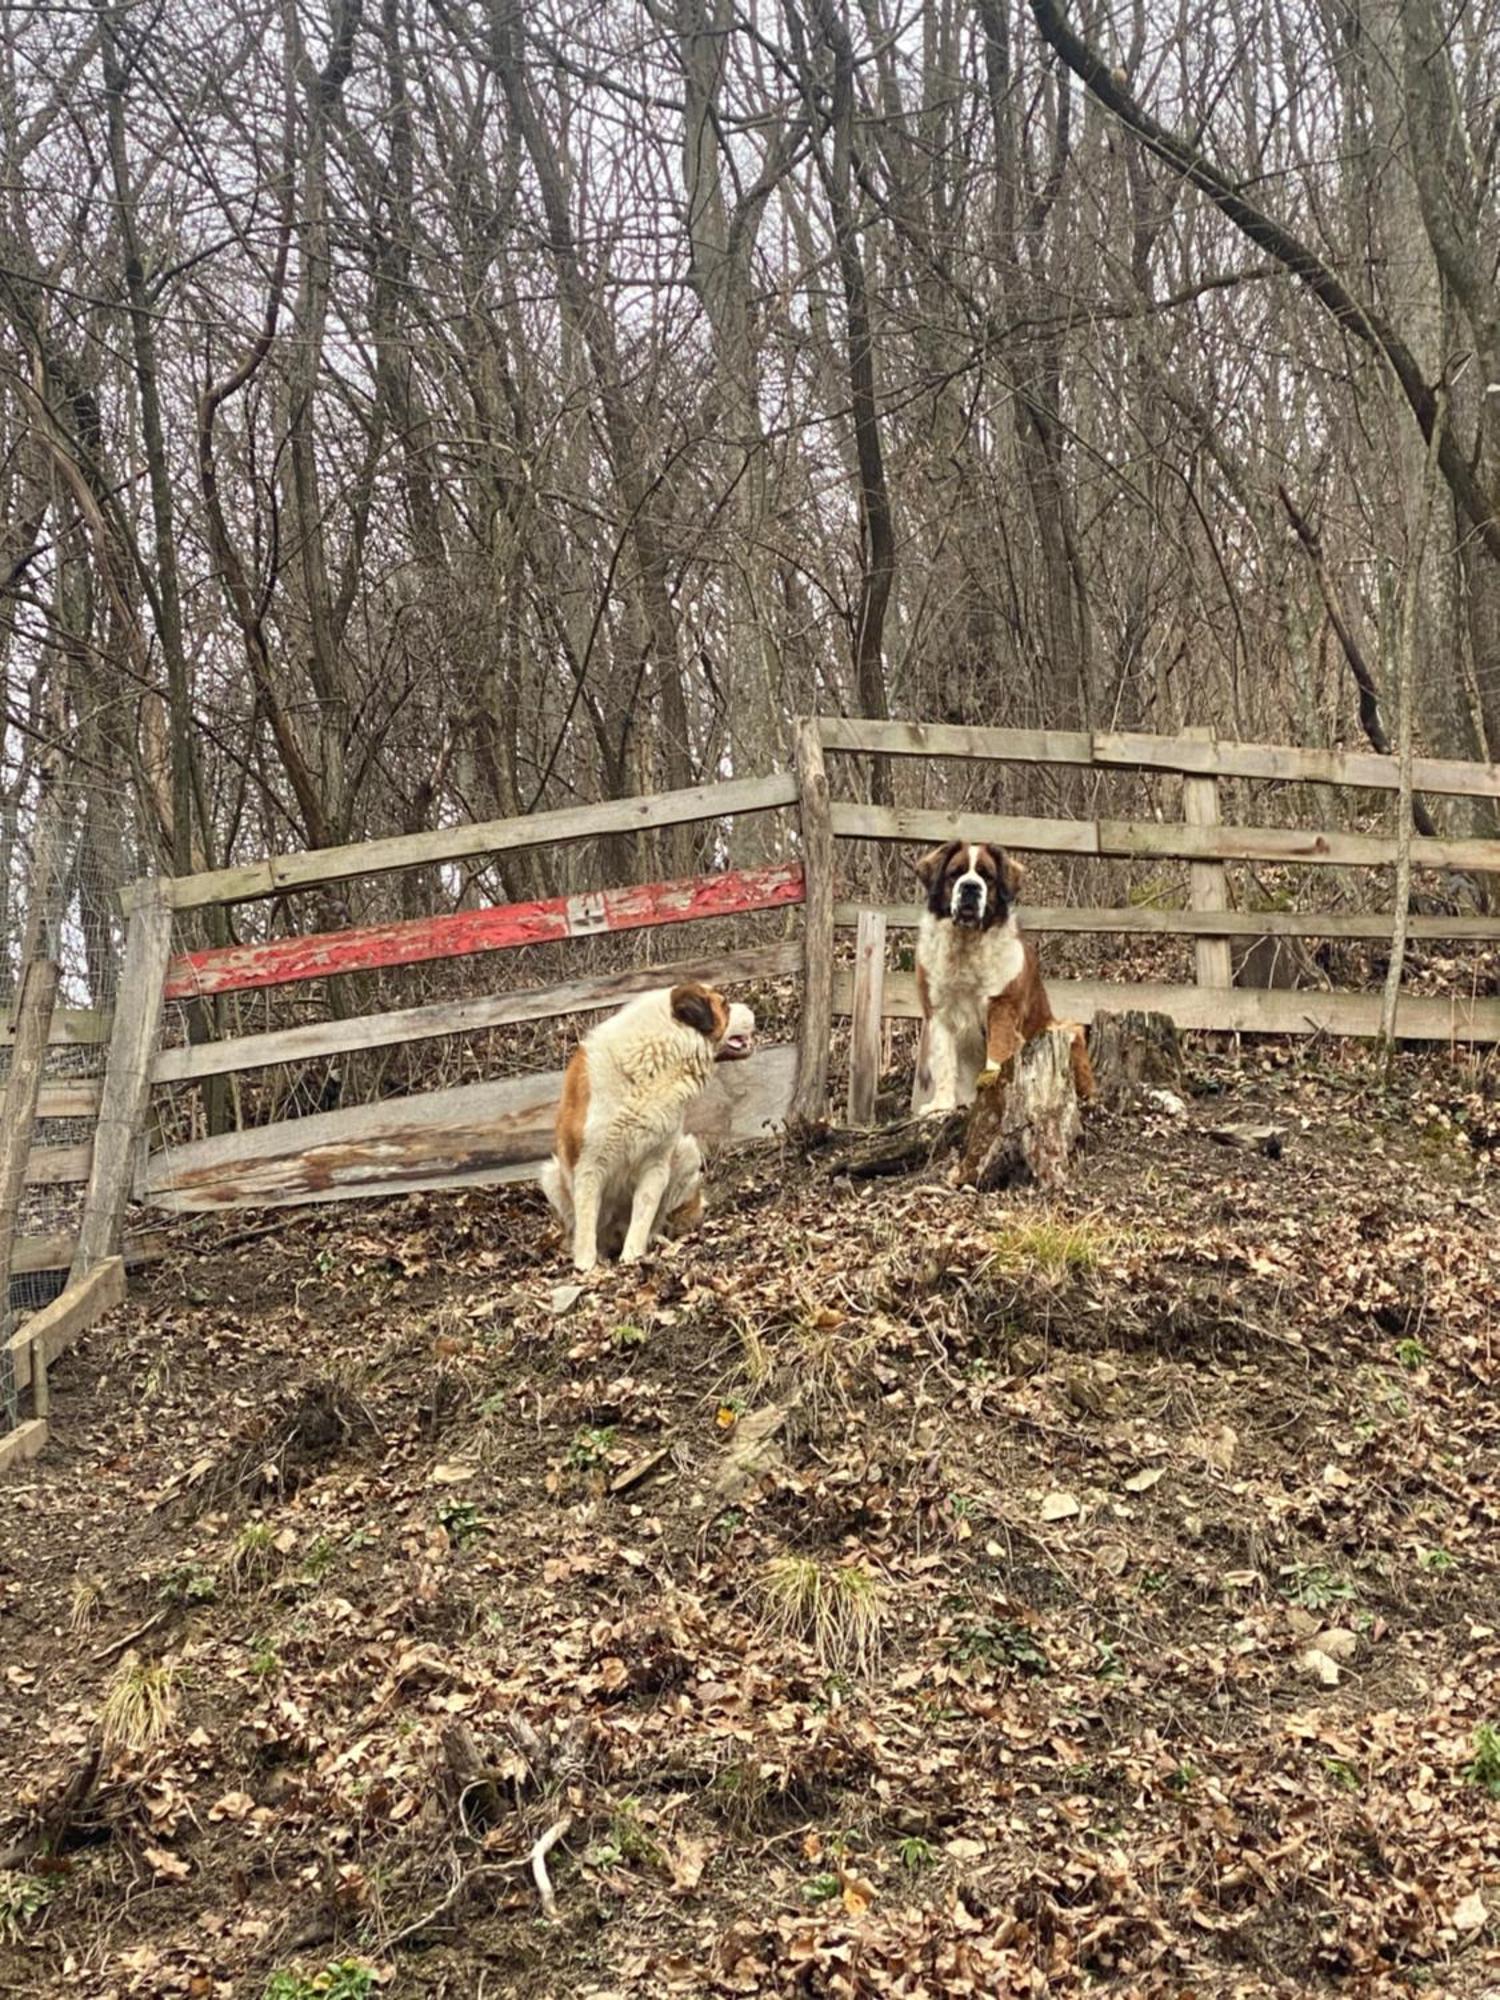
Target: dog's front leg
x,y
649,1190
942,1063
1002,1031
588,1190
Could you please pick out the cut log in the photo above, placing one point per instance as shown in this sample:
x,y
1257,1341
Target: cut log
x,y
893,1149
1025,1121
1133,1052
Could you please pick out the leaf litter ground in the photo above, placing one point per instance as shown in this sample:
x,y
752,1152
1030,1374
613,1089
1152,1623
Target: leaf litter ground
x,y
892,1591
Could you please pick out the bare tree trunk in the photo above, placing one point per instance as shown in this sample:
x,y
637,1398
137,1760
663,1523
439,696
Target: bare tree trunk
x,y
1419,521
168,592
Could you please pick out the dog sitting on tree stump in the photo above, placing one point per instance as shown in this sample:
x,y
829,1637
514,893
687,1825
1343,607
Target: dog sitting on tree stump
x,y
978,979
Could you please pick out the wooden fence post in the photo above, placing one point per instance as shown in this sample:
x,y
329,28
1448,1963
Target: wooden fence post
x,y
1208,884
127,1079
810,1098
865,1027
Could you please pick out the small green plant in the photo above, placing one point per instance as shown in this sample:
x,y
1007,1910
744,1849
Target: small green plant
x,y
1183,1778
626,1335
1109,1667
265,1661
1437,1561
1411,1354
1484,1771
345,1979
1342,1773
915,1854
22,1900
1153,1582
1315,1587
837,1608
140,1705
494,1404
319,1559
590,1448
253,1557
187,1584
462,1520
997,1642
820,1889
628,1841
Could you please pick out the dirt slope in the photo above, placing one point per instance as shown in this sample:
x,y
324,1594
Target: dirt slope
x,y
892,1591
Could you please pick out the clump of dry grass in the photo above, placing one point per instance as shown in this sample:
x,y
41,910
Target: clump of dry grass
x,y
140,1705
84,1602
254,1558
1051,1247
836,1608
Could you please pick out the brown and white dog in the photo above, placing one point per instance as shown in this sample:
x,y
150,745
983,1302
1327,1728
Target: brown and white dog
x,y
978,979
623,1169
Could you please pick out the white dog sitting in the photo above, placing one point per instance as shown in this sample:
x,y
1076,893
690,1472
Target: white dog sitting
x,y
623,1169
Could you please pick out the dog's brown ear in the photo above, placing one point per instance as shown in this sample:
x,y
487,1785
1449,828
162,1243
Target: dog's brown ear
x,y
1011,875
933,863
693,1005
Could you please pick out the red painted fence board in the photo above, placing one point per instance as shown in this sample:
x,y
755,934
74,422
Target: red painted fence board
x,y
238,968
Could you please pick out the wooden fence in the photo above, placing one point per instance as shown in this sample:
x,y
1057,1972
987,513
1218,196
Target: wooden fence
x,y
871,995
500,1130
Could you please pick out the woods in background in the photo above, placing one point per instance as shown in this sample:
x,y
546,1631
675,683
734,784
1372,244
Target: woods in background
x,y
412,412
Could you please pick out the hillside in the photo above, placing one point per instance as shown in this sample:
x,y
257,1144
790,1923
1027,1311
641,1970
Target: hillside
x,y
891,1591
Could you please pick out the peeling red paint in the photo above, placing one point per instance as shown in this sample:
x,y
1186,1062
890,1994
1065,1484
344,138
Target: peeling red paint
x,y
238,968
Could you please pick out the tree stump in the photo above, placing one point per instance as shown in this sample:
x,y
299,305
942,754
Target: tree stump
x,y
1132,1052
1025,1121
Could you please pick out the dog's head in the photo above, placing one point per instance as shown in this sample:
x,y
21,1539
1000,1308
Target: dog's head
x,y
727,1026
972,883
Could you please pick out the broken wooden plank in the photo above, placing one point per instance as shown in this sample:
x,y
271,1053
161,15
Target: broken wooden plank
x,y
503,927
23,1443
55,1253
69,1099
56,1327
462,1017
57,1166
71,1027
1246,1010
455,843
478,1135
